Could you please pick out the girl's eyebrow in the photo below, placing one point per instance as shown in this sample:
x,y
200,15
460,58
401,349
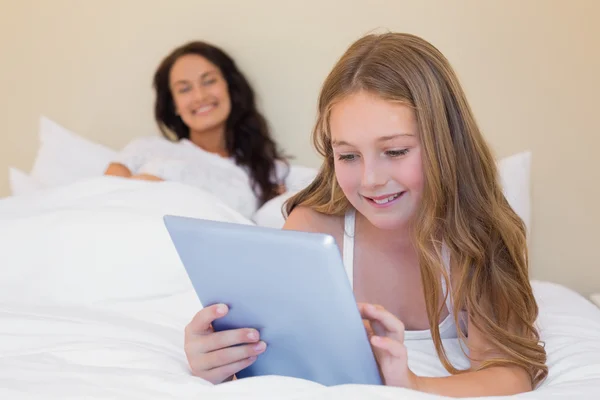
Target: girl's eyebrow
x,y
394,136
386,138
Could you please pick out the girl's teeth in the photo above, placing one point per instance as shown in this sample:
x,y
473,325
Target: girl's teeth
x,y
386,200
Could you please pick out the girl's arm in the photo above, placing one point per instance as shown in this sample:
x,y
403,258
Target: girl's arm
x,y
392,357
492,381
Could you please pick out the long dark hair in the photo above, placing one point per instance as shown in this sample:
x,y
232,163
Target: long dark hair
x,y
247,135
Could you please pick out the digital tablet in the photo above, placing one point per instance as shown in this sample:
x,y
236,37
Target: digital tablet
x,y
291,286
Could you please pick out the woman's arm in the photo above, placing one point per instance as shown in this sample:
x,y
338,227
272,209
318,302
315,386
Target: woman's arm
x,y
146,177
134,155
116,169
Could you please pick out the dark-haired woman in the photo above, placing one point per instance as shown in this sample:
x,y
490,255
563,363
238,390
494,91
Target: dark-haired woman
x,y
214,136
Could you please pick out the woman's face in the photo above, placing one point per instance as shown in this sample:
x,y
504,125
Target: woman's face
x,y
200,93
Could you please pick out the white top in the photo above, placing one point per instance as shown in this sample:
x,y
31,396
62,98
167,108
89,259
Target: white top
x,y
447,326
184,162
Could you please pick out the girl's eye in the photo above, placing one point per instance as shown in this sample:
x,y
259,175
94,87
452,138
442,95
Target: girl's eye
x,y
346,157
209,82
183,89
397,153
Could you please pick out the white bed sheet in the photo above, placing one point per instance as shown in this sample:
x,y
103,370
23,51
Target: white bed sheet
x,y
93,303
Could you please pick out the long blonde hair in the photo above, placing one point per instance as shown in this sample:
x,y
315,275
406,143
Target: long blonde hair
x,y
463,205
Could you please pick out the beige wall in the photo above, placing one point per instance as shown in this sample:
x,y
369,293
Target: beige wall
x,y
530,68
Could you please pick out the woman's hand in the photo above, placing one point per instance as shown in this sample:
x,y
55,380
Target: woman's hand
x,y
116,169
386,334
146,177
216,356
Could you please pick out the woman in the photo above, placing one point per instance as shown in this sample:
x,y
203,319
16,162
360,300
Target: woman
x,y
222,143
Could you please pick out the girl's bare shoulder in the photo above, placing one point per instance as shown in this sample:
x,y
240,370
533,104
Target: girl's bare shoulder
x,y
308,220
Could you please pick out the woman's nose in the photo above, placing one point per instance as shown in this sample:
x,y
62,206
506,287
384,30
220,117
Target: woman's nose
x,y
198,93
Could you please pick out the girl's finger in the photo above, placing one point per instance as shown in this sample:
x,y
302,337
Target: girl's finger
x,y
218,375
225,339
393,325
393,347
201,323
231,355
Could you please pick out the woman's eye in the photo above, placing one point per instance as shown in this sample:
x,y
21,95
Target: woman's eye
x,y
397,153
183,90
209,82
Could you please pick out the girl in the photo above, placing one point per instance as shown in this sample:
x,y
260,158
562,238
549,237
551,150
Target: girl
x,y
222,143
410,191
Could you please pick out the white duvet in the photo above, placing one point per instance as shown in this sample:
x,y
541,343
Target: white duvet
x,y
94,300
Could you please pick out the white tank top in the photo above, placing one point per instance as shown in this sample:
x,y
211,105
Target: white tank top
x,y
447,326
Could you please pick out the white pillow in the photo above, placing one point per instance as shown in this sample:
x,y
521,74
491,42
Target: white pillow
x,y
21,183
300,177
99,239
269,215
65,157
515,177
514,174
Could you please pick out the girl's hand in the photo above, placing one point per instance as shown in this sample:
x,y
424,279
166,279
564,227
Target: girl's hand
x,y
217,356
386,334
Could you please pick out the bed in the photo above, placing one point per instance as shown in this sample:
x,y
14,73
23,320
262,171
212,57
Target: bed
x,y
94,301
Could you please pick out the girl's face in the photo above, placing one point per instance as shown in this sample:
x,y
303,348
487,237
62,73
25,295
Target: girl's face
x,y
200,93
377,158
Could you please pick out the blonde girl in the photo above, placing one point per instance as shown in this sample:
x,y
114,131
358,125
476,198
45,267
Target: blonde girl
x,y
410,190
